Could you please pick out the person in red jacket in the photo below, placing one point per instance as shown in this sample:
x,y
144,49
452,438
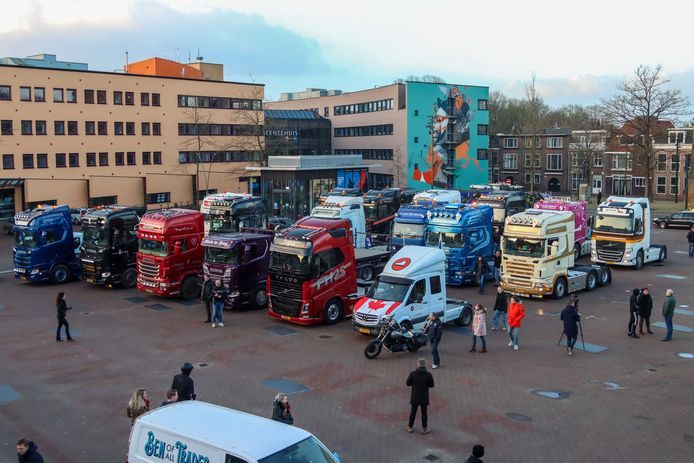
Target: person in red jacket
x,y
516,313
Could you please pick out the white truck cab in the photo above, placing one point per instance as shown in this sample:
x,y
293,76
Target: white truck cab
x,y
345,207
412,285
199,432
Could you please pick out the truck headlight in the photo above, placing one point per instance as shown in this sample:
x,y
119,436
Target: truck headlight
x,y
538,284
304,308
227,272
459,274
105,274
35,271
205,269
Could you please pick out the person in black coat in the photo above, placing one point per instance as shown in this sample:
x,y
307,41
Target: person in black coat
x,y
633,313
420,380
477,454
62,314
281,410
183,383
28,452
497,268
645,302
481,270
206,296
570,317
500,309
434,329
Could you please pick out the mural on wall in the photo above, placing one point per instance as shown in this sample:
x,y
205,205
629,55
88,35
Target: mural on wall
x,y
448,145
351,178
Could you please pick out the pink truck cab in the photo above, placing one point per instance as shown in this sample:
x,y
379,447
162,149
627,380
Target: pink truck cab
x,y
580,210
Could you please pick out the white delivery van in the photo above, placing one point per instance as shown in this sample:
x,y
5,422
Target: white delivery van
x,y
198,432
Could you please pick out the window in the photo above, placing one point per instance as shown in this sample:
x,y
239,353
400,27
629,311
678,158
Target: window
x,y
145,128
574,180
597,160
622,162
574,159
364,131
60,160
89,96
510,143
42,161
120,158
435,284
27,127
89,128
101,96
25,93
660,185
102,127
156,155
91,159
674,187
39,94
59,127
482,154
102,201
40,127
72,127
639,181
130,128
326,111
159,198
537,179
482,129
555,142
156,128
144,99
28,161
554,162
190,101
5,92
482,105
416,139
71,95
117,97
155,99
129,98
6,127
675,162
131,158
528,161
661,165
528,143
416,112
528,178
510,161
146,158
58,95
74,159
8,161
367,107
103,159
118,128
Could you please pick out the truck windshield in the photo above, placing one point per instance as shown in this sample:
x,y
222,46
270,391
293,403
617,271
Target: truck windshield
x,y
25,239
96,236
614,224
408,230
308,450
388,289
371,212
154,248
220,256
524,247
222,224
292,263
449,240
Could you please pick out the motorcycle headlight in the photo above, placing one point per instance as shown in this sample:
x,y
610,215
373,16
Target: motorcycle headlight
x,y
105,274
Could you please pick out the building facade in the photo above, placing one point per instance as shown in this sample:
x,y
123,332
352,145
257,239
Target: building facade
x,y
86,138
296,133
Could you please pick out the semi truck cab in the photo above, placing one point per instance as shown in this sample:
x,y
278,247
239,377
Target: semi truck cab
x,y
231,212
504,203
346,207
582,232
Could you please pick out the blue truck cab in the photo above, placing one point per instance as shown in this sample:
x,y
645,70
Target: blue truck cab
x,y
45,248
463,232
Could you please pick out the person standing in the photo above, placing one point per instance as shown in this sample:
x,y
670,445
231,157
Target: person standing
x,y
481,270
668,311
516,313
28,452
62,314
477,454
171,397
281,410
420,381
645,302
497,267
138,405
434,330
571,318
500,309
690,240
633,313
206,296
184,384
219,296
479,328
599,197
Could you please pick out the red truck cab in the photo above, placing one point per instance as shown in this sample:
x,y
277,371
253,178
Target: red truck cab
x,y
312,276
170,253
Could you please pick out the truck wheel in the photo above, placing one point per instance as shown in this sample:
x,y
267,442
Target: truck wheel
x,y
577,251
560,288
190,289
639,260
663,224
60,274
591,281
368,274
605,276
129,278
465,317
332,312
663,254
373,348
259,297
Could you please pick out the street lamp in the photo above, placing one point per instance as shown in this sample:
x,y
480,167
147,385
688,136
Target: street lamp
x,y
677,172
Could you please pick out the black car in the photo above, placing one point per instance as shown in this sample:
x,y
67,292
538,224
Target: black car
x,y
678,219
278,223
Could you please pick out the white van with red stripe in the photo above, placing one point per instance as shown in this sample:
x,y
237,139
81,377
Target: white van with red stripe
x,y
412,285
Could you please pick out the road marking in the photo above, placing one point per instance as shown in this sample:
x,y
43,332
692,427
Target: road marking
x,y
685,355
8,393
592,348
672,277
684,306
597,318
620,302
685,312
556,395
682,328
612,386
2,272
681,252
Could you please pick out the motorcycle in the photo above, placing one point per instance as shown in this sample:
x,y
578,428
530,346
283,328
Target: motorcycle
x,y
395,338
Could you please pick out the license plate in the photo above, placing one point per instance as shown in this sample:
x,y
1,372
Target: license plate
x,y
284,317
23,277
364,330
90,280
149,291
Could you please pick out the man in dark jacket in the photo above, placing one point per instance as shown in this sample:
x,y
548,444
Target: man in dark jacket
x,y
500,310
570,317
690,240
62,309
481,270
645,302
184,384
477,454
28,452
434,330
206,296
497,267
633,313
420,380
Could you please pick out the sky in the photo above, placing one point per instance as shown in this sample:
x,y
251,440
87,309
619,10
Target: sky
x,y
579,51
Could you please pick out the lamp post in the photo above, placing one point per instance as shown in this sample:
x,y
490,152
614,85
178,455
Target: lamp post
x,y
686,181
677,172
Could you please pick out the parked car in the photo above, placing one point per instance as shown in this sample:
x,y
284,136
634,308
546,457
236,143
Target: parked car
x,y
678,219
278,223
8,226
77,214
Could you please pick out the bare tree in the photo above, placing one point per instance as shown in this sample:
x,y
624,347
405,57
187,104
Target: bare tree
x,y
198,141
639,104
532,121
398,166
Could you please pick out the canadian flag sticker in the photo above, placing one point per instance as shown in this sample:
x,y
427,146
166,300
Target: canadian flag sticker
x,y
401,263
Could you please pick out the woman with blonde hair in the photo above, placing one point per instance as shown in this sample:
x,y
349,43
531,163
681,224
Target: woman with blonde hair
x,y
479,328
281,410
138,405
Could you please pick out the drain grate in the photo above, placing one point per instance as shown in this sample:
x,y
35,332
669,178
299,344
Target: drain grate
x,y
641,417
136,299
203,365
86,313
518,417
280,330
431,457
158,307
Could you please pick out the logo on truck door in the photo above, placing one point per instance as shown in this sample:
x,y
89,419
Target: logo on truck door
x,y
401,263
331,277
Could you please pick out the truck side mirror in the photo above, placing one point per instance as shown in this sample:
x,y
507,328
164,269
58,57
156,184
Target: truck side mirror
x,y
554,249
177,248
75,243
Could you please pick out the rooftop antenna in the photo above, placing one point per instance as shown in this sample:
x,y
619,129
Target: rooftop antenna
x,y
126,60
199,58
189,56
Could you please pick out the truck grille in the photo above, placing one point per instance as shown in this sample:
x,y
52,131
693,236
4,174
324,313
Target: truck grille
x,y
22,261
522,273
368,319
610,251
284,306
148,269
285,290
90,267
